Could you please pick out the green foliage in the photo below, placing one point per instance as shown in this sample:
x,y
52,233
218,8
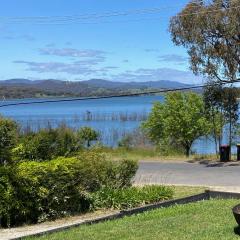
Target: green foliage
x,y
135,139
123,198
126,142
221,107
47,144
88,134
51,189
33,191
7,200
125,171
38,191
231,108
154,125
212,97
211,41
8,139
178,121
67,141
39,146
174,149
99,172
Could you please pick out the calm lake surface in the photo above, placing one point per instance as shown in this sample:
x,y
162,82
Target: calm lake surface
x,y
113,117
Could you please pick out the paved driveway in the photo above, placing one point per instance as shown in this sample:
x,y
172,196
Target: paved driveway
x,y
183,173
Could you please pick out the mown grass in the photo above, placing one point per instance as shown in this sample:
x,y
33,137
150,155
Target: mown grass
x,y
134,153
205,220
185,191
151,154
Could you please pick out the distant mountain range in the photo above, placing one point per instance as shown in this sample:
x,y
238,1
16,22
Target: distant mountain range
x,y
25,88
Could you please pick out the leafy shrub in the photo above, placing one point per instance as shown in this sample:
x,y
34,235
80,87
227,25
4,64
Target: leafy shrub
x,y
43,190
87,135
7,200
51,189
8,139
123,198
47,144
99,171
67,141
125,170
38,146
35,191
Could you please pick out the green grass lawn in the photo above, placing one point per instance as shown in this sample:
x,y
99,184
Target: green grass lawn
x,y
211,219
185,191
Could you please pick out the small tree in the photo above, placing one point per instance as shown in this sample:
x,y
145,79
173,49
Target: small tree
x,y
212,97
230,106
88,134
221,107
8,139
179,119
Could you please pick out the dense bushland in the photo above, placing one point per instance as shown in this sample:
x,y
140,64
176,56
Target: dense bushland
x,y
33,191
36,184
49,143
56,172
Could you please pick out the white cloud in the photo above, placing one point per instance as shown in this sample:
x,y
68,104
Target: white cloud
x,y
147,74
84,68
26,37
173,58
72,52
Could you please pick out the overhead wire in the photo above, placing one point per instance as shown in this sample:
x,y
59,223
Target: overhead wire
x,y
120,95
91,15
65,19
78,18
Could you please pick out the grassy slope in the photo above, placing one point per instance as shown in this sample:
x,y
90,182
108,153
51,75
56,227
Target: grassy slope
x,y
203,220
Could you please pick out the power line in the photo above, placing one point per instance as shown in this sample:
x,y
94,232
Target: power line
x,y
120,95
89,16
81,18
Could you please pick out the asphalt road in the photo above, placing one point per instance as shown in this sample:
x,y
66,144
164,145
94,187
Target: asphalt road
x,y
194,174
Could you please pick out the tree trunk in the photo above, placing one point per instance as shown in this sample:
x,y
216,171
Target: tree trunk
x,y
216,145
215,133
221,134
187,150
230,123
230,136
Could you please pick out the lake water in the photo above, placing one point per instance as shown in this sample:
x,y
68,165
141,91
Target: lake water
x,y
113,117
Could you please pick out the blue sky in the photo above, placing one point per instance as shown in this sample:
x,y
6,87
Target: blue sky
x,y
130,47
